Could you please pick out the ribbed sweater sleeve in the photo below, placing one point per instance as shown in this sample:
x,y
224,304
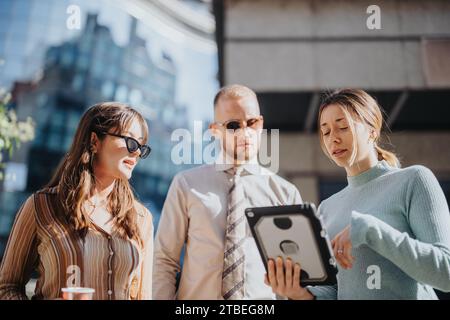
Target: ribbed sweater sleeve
x,y
425,256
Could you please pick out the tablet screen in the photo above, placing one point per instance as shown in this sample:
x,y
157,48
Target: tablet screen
x,y
295,232
291,236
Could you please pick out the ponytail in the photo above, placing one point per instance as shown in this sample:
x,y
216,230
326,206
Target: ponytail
x,y
388,156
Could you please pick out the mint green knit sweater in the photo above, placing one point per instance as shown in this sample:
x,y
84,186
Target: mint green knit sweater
x,y
400,231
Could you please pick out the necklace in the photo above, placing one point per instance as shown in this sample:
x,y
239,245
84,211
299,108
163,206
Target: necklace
x,y
98,204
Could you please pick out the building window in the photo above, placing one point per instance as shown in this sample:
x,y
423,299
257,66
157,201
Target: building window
x,y
83,62
108,89
98,69
54,140
121,93
135,96
77,82
67,57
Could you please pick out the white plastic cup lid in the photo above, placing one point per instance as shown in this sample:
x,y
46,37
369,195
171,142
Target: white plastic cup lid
x,y
78,290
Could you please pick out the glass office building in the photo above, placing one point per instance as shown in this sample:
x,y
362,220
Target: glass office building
x,y
55,72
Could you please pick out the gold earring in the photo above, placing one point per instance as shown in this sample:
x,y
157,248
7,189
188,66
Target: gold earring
x,y
91,159
85,157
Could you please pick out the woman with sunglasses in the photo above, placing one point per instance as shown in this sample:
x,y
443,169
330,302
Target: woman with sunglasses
x,y
86,229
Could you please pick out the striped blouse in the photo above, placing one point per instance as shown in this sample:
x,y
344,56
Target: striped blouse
x,y
41,240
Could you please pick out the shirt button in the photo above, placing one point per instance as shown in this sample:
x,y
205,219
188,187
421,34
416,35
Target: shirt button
x,y
110,292
111,253
109,271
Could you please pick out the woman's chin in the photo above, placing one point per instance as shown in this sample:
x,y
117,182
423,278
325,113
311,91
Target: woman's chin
x,y
125,174
341,162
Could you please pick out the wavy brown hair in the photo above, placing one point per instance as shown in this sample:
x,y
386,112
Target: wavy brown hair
x,y
360,106
75,179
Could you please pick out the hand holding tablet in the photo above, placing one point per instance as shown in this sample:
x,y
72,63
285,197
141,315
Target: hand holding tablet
x,y
284,278
295,234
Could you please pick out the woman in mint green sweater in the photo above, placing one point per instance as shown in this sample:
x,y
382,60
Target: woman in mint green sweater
x,y
390,226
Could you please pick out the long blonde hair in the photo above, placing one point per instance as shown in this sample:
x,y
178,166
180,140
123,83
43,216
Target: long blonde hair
x,y
74,177
358,105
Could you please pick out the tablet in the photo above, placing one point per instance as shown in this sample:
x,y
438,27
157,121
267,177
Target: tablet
x,y
294,231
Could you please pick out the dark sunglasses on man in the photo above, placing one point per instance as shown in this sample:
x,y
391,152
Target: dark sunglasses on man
x,y
133,145
234,124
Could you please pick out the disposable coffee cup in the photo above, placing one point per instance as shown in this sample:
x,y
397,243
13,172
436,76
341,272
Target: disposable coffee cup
x,y
77,293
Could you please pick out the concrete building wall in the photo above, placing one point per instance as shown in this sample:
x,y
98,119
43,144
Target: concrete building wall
x,y
306,46
310,44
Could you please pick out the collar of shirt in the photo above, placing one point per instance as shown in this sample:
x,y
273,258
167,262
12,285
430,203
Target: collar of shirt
x,y
251,167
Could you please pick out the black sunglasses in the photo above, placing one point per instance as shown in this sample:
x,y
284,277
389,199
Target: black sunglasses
x,y
239,124
133,145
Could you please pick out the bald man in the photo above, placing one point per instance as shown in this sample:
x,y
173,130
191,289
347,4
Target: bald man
x,y
204,212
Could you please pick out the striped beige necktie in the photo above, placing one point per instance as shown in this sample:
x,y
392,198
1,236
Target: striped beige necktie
x,y
233,276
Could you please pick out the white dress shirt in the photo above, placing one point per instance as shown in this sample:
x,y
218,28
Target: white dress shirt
x,y
194,216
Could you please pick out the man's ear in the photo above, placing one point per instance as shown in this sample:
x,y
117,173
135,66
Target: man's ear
x,y
94,142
